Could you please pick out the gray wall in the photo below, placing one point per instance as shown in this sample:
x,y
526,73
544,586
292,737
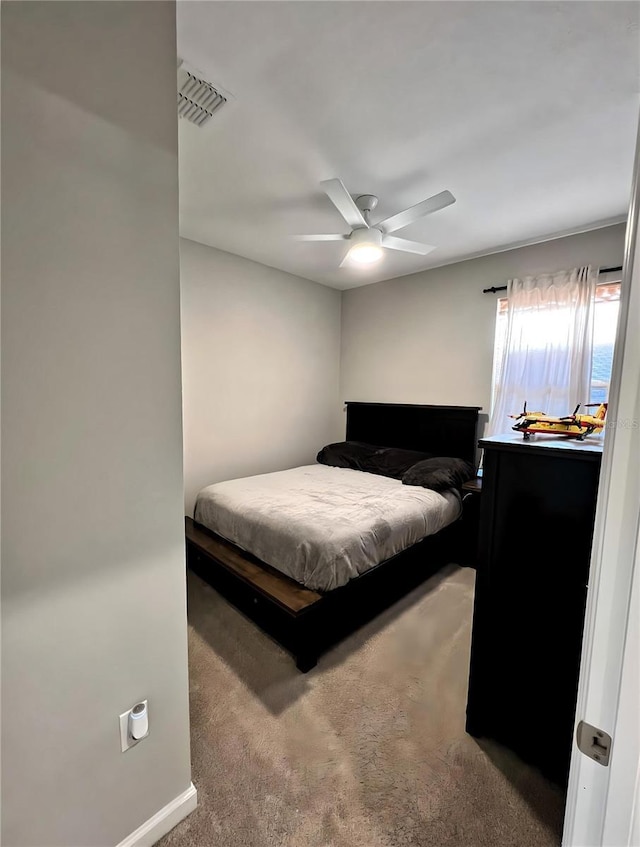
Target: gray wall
x,y
428,337
93,589
260,367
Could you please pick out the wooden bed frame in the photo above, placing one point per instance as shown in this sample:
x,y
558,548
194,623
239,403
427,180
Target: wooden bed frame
x,y
305,622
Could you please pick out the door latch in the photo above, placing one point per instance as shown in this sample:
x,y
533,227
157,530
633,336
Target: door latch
x,y
594,743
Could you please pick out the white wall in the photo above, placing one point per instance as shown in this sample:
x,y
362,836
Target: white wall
x,y
92,542
428,337
261,355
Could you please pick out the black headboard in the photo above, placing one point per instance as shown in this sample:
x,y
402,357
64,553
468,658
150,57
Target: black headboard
x,y
441,430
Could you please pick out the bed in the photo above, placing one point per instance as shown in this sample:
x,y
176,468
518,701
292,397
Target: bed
x,y
331,547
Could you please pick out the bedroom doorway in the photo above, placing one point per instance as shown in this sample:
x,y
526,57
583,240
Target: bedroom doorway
x,y
368,748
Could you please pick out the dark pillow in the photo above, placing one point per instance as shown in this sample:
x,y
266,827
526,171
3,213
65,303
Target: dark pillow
x,y
346,454
384,461
439,473
393,461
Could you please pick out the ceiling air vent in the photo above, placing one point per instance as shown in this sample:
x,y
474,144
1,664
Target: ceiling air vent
x,y
197,99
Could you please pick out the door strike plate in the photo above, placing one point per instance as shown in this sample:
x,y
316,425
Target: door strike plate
x,y
594,743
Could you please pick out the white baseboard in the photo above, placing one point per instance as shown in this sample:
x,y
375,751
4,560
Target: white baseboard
x,y
164,820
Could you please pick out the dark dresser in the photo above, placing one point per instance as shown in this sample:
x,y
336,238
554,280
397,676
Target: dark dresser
x,y
536,526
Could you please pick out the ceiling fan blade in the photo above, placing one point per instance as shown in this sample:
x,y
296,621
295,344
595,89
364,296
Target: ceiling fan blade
x,y
426,207
405,246
346,262
343,202
331,237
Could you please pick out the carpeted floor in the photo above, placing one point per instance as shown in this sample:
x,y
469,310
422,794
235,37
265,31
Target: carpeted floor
x,y
367,750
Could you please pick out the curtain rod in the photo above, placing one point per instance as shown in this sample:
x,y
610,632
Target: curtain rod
x,y
494,288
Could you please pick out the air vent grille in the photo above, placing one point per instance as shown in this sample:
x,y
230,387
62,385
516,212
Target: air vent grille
x,y
197,99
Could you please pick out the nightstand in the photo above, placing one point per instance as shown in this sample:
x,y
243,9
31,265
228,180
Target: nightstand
x,y
471,495
474,486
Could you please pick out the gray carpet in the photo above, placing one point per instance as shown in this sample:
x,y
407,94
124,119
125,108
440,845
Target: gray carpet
x,y
367,750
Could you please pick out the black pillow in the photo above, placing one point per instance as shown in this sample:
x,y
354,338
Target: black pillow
x,y
384,461
346,454
440,473
393,461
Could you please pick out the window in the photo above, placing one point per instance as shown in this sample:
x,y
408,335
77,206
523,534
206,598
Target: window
x,y
605,322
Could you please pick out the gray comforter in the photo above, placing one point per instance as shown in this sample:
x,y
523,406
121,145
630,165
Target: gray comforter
x,y
321,525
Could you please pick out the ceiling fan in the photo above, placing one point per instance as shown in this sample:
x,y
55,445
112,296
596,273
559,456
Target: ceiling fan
x,y
367,241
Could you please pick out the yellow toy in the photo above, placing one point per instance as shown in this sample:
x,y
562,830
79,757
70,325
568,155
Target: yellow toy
x,y
571,426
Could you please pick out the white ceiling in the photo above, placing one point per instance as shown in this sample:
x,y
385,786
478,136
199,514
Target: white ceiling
x,y
526,111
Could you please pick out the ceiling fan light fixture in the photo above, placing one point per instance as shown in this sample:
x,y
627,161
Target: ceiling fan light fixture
x,y
365,254
367,243
366,246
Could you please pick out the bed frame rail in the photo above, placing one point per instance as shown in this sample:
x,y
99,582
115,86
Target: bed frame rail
x,y
304,622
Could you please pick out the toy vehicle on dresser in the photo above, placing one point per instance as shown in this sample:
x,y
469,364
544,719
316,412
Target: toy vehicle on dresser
x,y
570,426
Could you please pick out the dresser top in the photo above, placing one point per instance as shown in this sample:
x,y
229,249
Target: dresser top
x,y
591,446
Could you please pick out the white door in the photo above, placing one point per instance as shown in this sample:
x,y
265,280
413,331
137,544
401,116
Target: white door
x,y
603,807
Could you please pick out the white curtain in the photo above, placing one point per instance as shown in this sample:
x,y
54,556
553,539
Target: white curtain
x,y
546,356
